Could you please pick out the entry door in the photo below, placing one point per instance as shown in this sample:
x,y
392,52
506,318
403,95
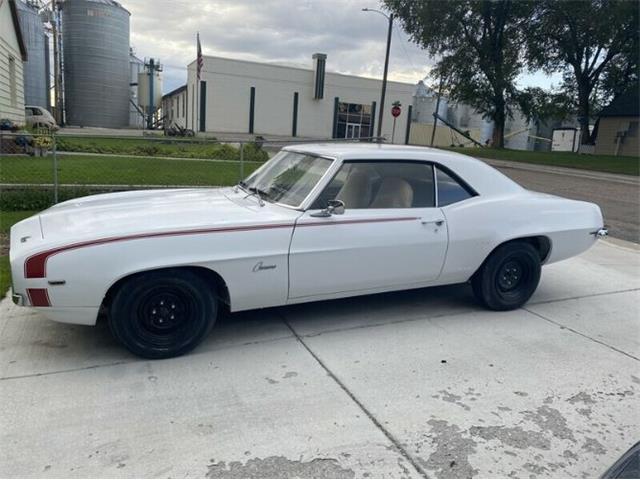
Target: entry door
x,y
376,245
353,130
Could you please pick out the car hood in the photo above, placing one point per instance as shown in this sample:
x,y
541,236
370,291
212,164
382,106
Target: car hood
x,y
151,211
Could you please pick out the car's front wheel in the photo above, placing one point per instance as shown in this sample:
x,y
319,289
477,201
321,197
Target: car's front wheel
x,y
508,278
163,314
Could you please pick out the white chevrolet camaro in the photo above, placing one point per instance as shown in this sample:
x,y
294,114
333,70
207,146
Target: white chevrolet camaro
x,y
315,222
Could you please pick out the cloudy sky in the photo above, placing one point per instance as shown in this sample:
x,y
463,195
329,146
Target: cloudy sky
x,y
277,31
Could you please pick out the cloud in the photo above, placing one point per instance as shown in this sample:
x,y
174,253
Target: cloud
x,y
279,31
275,31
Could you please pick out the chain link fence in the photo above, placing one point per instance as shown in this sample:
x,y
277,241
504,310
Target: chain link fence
x,y
39,169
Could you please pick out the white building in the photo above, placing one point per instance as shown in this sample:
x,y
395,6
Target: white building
x,y
174,107
12,53
238,96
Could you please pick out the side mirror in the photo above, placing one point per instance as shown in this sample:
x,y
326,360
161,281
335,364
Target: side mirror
x,y
334,207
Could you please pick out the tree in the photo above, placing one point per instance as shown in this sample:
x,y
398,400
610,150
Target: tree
x,y
479,43
593,43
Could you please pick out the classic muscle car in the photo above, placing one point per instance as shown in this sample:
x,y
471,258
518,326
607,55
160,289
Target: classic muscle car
x,y
315,222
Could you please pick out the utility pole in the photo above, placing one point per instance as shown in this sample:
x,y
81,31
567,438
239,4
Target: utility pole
x,y
435,116
386,68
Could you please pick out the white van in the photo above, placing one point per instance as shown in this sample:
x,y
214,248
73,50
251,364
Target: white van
x,y
39,117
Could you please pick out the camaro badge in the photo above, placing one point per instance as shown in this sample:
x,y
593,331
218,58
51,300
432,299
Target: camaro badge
x,y
260,266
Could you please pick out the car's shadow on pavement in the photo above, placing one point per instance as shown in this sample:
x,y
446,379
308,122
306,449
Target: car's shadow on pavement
x,y
33,345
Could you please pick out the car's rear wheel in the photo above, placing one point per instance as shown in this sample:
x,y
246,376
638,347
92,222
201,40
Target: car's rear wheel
x,y
508,278
163,314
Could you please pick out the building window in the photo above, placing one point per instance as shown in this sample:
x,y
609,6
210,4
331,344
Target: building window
x,y
184,103
178,106
354,120
13,94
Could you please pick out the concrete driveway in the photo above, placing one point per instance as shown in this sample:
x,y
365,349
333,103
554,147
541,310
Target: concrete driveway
x,y
411,384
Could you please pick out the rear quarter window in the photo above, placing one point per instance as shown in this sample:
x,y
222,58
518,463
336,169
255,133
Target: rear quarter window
x,y
450,190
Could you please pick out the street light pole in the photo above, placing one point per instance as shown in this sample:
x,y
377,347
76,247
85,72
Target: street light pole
x,y
386,69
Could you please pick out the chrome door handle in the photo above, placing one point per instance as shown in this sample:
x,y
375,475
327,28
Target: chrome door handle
x,y
439,223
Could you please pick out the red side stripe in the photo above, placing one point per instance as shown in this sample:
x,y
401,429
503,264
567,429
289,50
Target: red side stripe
x,y
35,266
38,297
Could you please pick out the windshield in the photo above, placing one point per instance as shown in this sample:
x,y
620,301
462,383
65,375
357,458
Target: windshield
x,y
288,177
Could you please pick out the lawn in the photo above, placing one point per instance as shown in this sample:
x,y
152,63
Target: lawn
x,y
600,163
120,170
7,219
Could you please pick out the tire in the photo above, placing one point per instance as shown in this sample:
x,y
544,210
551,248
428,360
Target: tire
x,y
508,277
163,314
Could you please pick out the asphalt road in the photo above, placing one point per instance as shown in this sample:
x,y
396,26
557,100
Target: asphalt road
x,y
408,384
617,195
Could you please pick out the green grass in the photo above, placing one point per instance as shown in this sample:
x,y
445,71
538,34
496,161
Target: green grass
x,y
162,147
600,163
87,169
7,219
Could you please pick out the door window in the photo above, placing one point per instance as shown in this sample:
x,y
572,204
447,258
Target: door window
x,y
386,184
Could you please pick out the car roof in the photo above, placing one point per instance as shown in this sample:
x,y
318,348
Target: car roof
x,y
485,179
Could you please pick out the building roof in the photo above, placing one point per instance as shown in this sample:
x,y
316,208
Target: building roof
x,y
626,105
16,24
175,91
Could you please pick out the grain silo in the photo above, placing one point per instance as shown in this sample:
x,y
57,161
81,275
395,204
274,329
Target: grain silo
x,y
95,39
36,75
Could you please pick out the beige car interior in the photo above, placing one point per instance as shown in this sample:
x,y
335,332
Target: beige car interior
x,y
357,192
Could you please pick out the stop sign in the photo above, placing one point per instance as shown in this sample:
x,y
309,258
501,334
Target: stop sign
x,y
395,111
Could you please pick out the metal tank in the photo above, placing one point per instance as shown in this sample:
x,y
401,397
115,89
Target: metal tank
x,y
96,68
35,68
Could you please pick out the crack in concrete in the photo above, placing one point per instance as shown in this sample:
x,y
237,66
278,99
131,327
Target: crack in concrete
x,y
129,362
579,297
394,441
611,347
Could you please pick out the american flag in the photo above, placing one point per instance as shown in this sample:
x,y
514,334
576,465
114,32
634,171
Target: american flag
x,y
200,59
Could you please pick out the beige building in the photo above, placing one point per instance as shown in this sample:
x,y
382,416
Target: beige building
x,y
618,127
12,53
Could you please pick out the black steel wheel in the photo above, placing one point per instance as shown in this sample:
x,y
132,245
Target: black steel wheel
x,y
163,314
508,278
